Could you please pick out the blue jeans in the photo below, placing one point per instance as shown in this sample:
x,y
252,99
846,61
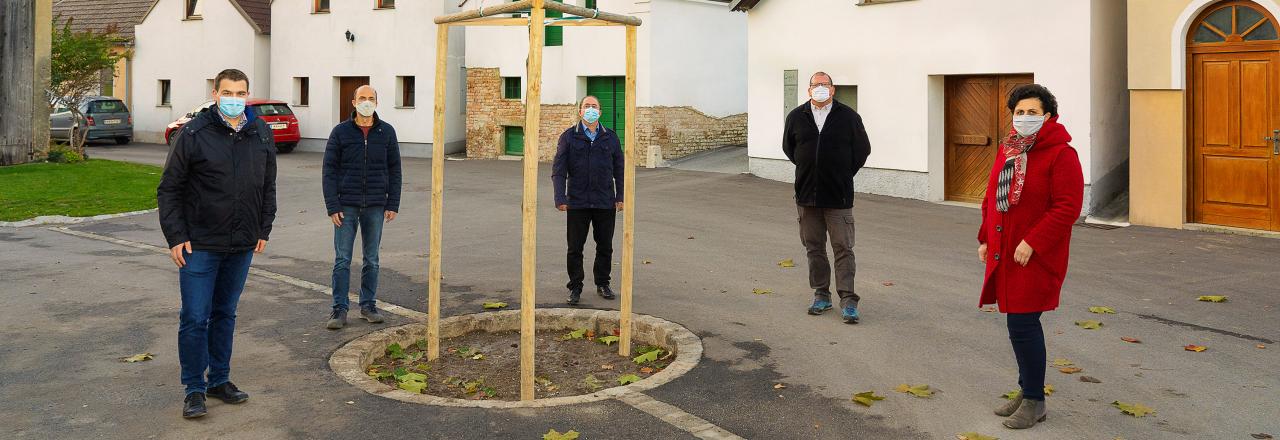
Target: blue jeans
x,y
369,221
1027,336
211,284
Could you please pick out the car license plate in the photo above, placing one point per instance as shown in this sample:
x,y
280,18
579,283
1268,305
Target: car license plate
x,y
111,121
279,126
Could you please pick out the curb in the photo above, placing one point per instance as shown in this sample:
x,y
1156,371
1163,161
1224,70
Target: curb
x,y
65,220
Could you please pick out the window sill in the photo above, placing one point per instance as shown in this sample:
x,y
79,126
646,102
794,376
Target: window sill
x,y
319,12
164,105
193,18
385,8
300,105
406,107
877,2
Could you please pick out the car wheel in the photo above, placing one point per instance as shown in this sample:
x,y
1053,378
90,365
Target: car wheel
x,y
284,148
122,141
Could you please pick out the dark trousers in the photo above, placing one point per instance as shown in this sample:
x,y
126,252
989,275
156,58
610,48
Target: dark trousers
x,y
211,284
815,225
1027,337
600,222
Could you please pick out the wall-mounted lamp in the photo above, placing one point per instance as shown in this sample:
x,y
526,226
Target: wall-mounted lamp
x,y
351,37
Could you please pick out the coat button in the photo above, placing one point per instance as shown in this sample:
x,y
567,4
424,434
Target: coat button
x,y
997,257
999,228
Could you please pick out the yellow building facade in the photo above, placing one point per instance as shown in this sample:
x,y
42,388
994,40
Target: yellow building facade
x,y
1204,90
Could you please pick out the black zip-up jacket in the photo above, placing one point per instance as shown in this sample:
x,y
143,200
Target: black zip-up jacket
x,y
826,160
360,171
218,190
587,174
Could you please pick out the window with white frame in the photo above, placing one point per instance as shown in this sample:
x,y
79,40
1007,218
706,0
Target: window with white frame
x,y
406,91
164,92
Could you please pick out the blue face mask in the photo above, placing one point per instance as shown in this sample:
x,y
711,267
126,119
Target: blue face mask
x,y
591,115
231,106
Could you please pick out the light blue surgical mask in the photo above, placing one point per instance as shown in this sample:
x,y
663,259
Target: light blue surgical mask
x,y
591,115
231,106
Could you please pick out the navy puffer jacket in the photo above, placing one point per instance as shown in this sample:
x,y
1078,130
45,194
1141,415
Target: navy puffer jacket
x,y
587,174
362,172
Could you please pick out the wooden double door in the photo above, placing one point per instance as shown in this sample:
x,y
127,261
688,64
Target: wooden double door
x,y
977,120
1235,139
347,86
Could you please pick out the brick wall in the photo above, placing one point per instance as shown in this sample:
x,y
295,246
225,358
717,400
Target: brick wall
x,y
680,131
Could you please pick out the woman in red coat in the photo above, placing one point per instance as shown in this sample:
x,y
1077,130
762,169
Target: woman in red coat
x,y
1033,197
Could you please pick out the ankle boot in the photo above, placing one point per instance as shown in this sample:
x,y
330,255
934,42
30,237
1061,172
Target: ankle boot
x,y
1027,415
1008,408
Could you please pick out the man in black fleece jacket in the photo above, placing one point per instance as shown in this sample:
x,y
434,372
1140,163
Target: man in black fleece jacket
x,y
828,144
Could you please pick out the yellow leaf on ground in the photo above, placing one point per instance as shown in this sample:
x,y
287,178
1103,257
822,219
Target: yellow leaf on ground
x,y
1102,310
647,370
556,435
1048,390
1133,409
787,263
1261,347
866,398
1195,348
1070,370
778,386
606,367
761,291
1212,298
974,436
138,358
915,390
494,305
1011,395
1062,363
1089,324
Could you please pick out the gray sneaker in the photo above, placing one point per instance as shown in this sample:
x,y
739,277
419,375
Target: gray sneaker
x,y
337,320
371,314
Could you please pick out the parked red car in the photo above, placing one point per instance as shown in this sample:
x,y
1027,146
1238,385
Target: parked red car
x,y
276,114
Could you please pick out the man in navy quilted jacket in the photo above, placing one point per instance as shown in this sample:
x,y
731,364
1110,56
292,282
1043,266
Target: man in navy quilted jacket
x,y
361,192
587,175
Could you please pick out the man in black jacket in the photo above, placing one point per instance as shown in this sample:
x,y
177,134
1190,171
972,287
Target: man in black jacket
x,y
217,201
828,144
361,180
587,177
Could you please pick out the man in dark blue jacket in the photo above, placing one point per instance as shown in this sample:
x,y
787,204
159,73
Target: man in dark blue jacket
x,y
587,175
361,192
217,200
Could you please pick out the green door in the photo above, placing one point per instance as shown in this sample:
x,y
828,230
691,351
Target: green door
x,y
513,141
612,93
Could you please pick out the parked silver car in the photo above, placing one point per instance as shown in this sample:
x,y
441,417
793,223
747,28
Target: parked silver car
x,y
105,118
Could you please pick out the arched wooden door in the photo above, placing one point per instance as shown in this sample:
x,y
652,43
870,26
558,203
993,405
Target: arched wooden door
x,y
1234,117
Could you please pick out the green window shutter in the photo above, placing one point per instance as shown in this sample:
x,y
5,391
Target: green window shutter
x,y
554,34
513,141
591,4
511,87
611,90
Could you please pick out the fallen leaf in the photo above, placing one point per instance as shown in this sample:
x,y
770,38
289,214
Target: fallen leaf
x,y
412,386
138,358
494,305
974,436
1089,324
1262,436
1132,340
606,367
1261,347
647,357
576,334
1089,379
1011,395
628,378
608,340
411,377
761,291
915,390
478,357
866,398
421,344
1070,370
648,262
591,334
1048,390
990,310
396,351
556,435
351,402
1102,310
1060,362
1195,348
1212,298
787,263
1133,409
887,283
778,386
592,382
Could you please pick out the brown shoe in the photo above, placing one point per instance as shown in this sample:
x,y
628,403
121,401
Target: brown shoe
x,y
1027,415
1009,408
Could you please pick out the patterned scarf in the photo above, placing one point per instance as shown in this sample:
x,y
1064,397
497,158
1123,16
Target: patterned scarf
x,y
1014,172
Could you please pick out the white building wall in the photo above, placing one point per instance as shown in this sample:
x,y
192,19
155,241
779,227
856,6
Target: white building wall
x,y
188,53
898,55
388,43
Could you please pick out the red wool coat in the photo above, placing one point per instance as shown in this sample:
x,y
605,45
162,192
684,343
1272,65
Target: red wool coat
x,y
1050,204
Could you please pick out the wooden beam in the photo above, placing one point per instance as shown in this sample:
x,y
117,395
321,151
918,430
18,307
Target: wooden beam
x,y
529,250
499,21
593,13
504,8
628,199
437,195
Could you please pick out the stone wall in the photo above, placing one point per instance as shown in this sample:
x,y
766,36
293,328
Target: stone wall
x,y
679,131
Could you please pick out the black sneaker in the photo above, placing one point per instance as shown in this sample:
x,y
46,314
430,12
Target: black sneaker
x,y
575,295
605,292
193,406
337,319
228,393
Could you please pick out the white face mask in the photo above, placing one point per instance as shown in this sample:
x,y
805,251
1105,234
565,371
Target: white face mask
x,y
821,94
1027,125
366,108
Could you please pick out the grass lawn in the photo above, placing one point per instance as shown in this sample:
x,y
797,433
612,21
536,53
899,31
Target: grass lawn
x,y
79,190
